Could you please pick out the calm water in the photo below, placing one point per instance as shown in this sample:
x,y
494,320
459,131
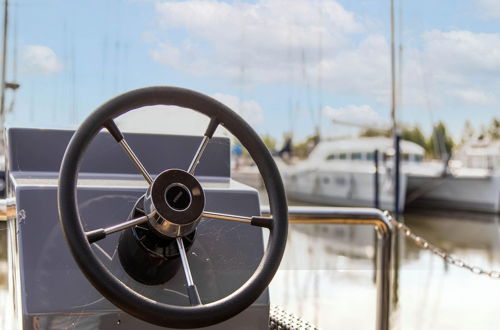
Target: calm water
x,y
331,283
327,275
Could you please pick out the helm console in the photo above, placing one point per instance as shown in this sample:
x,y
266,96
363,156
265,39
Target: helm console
x,y
47,287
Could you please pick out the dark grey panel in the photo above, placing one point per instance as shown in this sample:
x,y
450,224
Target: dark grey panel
x,y
57,296
42,150
256,317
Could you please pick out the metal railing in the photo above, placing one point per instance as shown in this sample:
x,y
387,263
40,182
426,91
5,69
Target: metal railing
x,y
7,209
329,215
358,216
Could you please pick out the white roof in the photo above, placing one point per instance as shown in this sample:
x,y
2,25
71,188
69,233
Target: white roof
x,y
488,148
364,145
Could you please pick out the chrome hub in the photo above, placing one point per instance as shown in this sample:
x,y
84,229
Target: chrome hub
x,y
177,201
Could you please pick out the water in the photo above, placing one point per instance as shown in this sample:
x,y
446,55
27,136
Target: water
x,y
331,284
327,274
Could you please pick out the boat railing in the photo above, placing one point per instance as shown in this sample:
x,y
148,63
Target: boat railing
x,y
330,215
358,216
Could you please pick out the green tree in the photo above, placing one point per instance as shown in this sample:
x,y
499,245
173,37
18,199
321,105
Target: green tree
x,y
304,148
269,141
440,144
414,134
494,131
371,132
467,132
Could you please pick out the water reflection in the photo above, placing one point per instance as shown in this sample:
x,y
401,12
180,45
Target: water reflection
x,y
327,274
327,278
3,271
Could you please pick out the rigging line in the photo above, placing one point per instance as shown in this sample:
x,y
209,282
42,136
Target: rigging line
x,y
428,104
104,63
105,52
400,58
290,83
320,71
117,49
4,62
14,49
32,103
66,105
73,81
307,93
56,96
242,66
14,59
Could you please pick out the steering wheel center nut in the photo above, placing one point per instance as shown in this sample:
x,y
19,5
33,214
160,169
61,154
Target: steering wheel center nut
x,y
177,201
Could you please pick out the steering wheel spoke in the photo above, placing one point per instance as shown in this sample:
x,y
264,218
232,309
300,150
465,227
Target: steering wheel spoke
x,y
101,233
118,136
258,221
192,290
212,126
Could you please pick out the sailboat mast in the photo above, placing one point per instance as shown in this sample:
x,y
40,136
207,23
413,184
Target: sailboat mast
x,y
393,73
395,130
4,62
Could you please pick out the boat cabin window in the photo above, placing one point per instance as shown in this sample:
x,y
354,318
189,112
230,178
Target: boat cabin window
x,y
356,156
370,156
343,156
418,158
331,157
406,157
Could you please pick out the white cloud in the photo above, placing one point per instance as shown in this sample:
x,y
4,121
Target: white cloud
x,y
489,8
313,43
455,53
453,67
250,110
40,60
362,115
163,119
475,97
361,70
264,41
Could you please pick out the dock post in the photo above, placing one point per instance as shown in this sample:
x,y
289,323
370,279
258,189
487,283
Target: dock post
x,y
397,174
376,180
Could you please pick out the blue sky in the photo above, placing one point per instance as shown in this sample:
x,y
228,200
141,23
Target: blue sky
x,y
284,65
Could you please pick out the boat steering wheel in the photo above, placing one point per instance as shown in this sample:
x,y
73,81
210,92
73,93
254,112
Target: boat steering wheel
x,y
174,204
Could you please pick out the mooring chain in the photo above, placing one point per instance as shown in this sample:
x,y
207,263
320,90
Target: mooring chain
x,y
450,259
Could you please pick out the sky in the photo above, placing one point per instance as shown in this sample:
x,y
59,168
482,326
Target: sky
x,y
285,66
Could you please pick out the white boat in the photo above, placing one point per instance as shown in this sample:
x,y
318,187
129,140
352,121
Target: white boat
x,y
342,172
470,183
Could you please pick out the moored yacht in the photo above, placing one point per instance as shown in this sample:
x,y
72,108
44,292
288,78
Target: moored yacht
x,y
471,182
342,172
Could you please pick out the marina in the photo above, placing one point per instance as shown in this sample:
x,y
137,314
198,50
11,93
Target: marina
x,y
253,165
335,273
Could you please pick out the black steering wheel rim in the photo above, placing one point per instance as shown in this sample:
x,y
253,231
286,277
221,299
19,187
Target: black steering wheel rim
x,y
102,279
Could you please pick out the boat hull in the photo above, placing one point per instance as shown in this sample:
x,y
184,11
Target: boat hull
x,y
458,193
343,188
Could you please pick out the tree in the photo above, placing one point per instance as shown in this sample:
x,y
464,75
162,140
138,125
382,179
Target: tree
x,y
371,132
494,130
304,148
467,132
269,141
440,144
414,135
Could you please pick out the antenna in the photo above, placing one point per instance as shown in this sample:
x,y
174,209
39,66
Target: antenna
x,y
4,62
